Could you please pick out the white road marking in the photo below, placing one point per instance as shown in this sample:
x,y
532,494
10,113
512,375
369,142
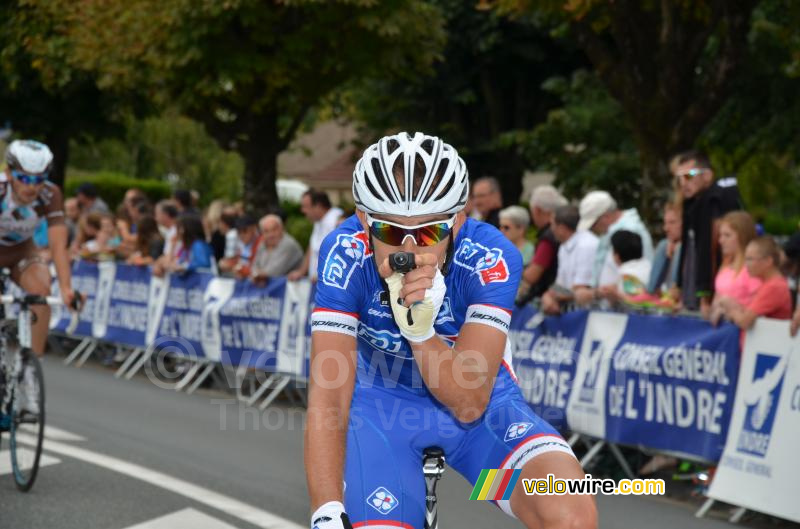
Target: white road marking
x,y
51,432
57,434
185,518
226,504
26,458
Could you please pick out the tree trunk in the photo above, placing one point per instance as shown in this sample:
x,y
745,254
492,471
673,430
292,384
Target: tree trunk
x,y
58,141
260,152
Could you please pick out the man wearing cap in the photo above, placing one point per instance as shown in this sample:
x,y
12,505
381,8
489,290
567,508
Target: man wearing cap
x,y
89,201
599,214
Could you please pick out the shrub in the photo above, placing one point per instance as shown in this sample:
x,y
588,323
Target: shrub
x,y
111,186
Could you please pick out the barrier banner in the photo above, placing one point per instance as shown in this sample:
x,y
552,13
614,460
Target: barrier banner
x,y
294,339
250,322
102,301
217,294
671,385
180,325
84,279
759,468
545,354
663,382
127,313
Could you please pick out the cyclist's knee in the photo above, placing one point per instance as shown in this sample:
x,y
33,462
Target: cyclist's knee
x,y
38,288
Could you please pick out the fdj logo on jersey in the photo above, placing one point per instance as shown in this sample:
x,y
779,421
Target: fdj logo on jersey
x,y
517,430
385,341
349,252
489,264
587,391
761,399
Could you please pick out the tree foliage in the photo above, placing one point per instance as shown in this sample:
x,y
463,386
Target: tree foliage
x,y
670,65
249,70
488,82
43,95
168,147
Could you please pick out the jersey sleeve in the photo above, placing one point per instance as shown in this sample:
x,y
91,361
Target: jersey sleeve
x,y
493,268
53,205
340,282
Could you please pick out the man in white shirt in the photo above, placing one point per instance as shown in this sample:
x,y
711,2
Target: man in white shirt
x,y
316,206
599,214
575,261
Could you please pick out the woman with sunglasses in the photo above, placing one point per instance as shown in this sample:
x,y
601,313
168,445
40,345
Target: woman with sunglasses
x,y
26,199
433,339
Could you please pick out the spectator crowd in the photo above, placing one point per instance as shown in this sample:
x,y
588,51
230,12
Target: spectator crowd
x,y
173,235
713,258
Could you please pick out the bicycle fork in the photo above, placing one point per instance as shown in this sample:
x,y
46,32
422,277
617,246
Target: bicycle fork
x,y
432,468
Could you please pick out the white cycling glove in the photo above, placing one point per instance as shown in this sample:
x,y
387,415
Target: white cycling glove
x,y
330,516
423,313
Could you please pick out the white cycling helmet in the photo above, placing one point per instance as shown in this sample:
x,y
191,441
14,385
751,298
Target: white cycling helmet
x,y
434,181
30,157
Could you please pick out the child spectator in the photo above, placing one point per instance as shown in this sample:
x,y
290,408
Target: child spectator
x,y
149,245
195,253
632,266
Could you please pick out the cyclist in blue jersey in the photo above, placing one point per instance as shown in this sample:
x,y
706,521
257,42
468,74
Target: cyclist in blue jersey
x,y
384,386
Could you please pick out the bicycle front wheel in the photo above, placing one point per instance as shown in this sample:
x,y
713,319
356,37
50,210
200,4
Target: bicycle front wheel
x,y
26,433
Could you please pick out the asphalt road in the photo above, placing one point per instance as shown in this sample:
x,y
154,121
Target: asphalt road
x,y
126,454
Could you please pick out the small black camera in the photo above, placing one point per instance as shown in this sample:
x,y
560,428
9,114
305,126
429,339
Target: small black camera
x,y
402,262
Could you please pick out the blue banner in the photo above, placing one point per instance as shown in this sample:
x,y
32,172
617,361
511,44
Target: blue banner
x,y
545,353
250,322
671,385
84,279
180,326
127,314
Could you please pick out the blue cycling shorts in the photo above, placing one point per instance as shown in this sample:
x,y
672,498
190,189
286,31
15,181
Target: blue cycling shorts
x,y
390,427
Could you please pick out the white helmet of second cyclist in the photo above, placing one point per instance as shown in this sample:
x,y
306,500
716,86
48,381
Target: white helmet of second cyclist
x,y
442,188
30,157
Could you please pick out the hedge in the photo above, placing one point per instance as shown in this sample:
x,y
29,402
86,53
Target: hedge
x,y
111,186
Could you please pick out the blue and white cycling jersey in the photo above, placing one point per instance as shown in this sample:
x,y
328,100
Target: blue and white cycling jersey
x,y
393,416
481,285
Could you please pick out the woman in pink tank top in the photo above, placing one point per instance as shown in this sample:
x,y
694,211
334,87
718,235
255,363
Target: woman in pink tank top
x,y
736,230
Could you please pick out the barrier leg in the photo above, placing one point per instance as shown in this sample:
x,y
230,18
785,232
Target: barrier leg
x,y
263,389
701,512
86,353
188,376
593,451
282,383
201,378
573,439
77,351
621,460
736,517
139,363
128,361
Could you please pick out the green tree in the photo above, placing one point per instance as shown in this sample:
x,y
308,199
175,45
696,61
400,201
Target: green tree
x,y
249,70
670,65
170,144
42,94
488,82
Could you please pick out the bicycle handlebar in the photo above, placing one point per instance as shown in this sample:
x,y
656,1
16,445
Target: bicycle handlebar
x,y
32,299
